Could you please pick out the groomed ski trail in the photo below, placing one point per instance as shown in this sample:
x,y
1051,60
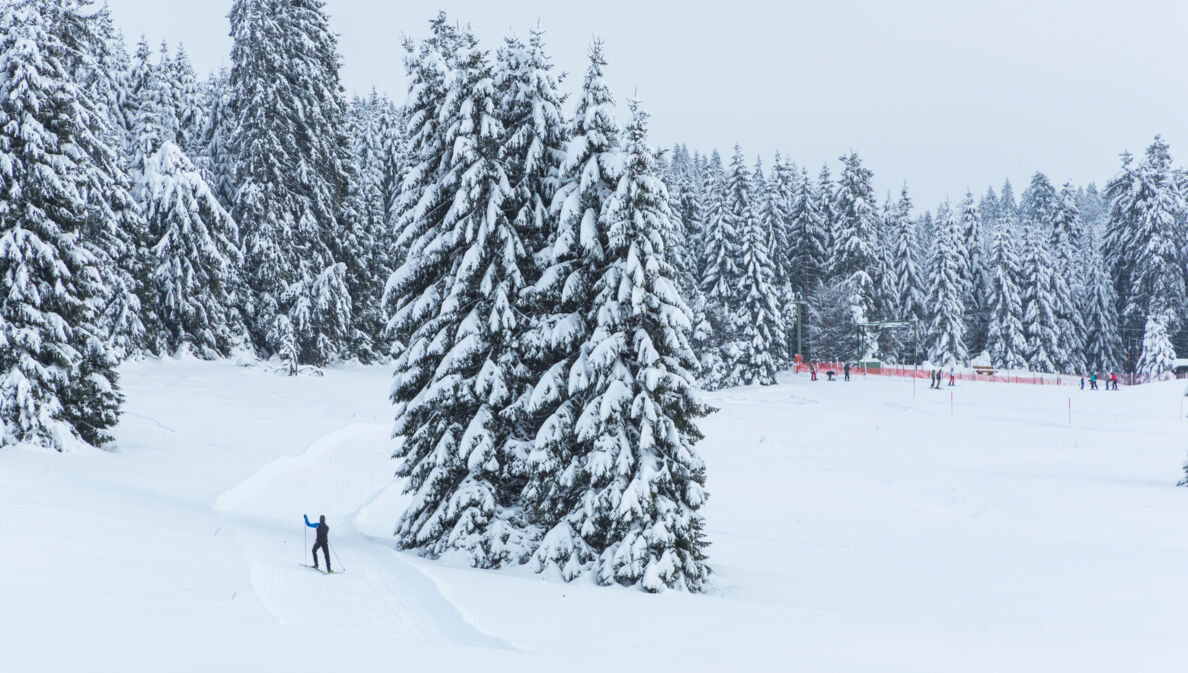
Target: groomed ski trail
x,y
381,593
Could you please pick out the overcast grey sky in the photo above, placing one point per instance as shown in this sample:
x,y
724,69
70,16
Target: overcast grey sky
x,y
943,94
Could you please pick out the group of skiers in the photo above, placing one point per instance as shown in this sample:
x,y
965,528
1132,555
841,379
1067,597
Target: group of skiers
x,y
1111,382
938,378
829,374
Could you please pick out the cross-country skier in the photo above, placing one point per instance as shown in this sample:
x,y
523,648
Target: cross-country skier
x,y
322,541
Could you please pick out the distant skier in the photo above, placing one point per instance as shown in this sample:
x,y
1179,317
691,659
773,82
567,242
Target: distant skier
x,y
931,379
846,371
322,541
1114,381
1082,381
952,377
1092,381
812,372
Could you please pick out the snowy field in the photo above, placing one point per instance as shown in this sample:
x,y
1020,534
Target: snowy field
x,y
855,527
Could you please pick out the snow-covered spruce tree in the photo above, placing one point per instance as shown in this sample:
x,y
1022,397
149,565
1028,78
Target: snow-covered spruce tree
x,y
1007,206
369,263
720,276
831,325
262,203
282,334
1067,244
1038,202
887,290
909,300
321,309
165,90
855,256
976,279
947,289
824,198
810,237
114,231
780,203
1103,345
193,287
685,200
1120,247
1006,339
906,274
1146,240
720,272
530,111
684,203
577,257
97,60
461,389
215,157
138,81
1093,209
695,203
57,378
989,211
1039,318
760,333
188,103
1158,357
425,188
291,163
636,482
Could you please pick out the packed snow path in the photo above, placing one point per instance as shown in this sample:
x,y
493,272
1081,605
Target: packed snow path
x,y
381,594
855,527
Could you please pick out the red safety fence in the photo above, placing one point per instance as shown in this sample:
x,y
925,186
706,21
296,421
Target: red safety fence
x,y
906,371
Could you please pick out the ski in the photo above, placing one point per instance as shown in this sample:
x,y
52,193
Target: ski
x,y
324,572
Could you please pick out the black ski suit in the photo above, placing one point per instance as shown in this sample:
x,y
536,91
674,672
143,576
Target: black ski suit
x,y
321,541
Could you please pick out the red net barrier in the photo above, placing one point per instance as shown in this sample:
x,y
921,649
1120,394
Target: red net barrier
x,y
910,372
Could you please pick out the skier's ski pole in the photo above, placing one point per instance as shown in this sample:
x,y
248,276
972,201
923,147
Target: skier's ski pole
x,y
340,565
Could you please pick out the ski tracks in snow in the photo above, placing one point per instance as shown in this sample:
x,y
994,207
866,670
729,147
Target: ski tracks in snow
x,y
381,593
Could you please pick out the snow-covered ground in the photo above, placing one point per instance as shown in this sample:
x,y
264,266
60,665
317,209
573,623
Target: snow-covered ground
x,y
855,527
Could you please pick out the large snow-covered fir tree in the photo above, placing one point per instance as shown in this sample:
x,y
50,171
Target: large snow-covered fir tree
x,y
636,484
57,378
759,316
1103,345
1006,340
576,256
1158,357
810,237
114,231
461,387
1067,244
291,169
905,274
976,279
855,256
1145,241
369,243
194,281
1040,320
720,278
778,204
530,111
947,292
